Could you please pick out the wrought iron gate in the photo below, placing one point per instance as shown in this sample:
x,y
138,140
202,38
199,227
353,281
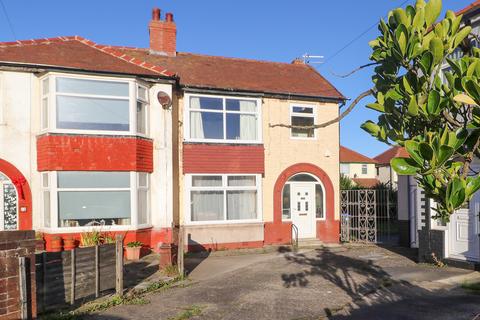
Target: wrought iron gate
x,y
369,215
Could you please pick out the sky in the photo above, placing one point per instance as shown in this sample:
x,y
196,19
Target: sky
x,y
275,30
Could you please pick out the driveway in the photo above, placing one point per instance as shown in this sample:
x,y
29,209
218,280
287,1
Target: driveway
x,y
328,283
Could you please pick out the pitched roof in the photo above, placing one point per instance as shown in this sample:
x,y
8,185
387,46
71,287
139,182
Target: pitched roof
x,y
76,53
366,182
471,7
215,72
393,152
350,156
194,70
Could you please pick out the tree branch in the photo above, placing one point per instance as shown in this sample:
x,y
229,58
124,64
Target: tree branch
x,y
451,120
469,159
354,70
337,119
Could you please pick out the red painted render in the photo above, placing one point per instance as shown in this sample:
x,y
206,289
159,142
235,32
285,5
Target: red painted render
x,y
94,153
24,199
151,238
328,230
278,233
209,158
223,246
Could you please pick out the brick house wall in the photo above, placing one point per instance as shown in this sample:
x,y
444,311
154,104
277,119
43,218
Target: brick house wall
x,y
15,244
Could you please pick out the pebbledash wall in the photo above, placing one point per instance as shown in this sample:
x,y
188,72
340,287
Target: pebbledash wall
x,y
25,152
277,159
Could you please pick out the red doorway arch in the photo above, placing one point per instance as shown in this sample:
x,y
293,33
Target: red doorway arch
x,y
24,193
328,230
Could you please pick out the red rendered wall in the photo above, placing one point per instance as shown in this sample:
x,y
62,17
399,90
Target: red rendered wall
x,y
94,153
24,194
209,158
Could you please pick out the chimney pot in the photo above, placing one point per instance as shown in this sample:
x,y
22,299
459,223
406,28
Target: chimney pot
x,y
163,34
156,14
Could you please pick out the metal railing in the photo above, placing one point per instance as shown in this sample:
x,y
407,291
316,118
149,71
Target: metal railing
x,y
294,239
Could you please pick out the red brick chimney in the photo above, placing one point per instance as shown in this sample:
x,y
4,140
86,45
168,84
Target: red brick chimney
x,y
163,34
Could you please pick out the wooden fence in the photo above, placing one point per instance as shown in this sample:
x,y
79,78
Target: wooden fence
x,y
73,276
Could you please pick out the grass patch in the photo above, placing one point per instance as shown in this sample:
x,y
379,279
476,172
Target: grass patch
x,y
187,313
170,270
473,287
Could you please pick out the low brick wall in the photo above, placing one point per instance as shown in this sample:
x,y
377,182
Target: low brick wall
x,y
15,244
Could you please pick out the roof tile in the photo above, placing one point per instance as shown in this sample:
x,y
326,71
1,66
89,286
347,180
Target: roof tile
x,y
350,156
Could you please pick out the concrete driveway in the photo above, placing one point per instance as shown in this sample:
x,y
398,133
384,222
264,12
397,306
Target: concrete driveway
x,y
326,283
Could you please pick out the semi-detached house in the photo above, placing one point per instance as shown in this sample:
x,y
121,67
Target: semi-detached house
x,y
139,141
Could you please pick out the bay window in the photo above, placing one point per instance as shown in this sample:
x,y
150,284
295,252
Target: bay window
x,y
91,104
95,198
217,198
222,119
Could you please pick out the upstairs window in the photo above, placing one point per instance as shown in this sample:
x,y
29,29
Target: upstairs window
x,y
212,118
364,169
302,115
92,105
85,105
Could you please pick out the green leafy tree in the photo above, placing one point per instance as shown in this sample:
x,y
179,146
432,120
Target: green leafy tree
x,y
433,112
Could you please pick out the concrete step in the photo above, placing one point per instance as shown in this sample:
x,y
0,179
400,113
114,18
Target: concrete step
x,y
309,243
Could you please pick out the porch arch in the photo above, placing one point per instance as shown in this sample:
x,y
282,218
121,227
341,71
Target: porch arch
x,y
24,199
328,230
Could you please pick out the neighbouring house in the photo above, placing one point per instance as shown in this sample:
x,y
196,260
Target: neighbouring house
x,y
457,241
140,141
358,167
385,173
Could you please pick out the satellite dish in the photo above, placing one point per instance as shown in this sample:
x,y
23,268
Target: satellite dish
x,y
164,99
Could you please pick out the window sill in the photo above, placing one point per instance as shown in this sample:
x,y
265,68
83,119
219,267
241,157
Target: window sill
x,y
211,141
214,224
97,228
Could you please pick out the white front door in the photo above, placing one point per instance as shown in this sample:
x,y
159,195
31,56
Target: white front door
x,y
302,204
463,232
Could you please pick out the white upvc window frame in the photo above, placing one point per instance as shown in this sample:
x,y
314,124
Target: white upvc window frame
x,y
134,225
188,188
132,104
304,115
364,166
187,110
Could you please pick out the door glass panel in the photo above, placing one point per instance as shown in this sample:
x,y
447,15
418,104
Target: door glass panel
x,y
9,209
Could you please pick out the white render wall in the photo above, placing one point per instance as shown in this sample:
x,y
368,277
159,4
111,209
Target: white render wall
x,y
355,171
161,180
19,107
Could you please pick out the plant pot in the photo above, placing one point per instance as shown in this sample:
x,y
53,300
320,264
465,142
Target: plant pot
x,y
56,244
133,253
69,244
40,245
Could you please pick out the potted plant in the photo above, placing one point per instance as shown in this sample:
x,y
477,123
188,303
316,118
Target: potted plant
x,y
90,239
39,241
133,250
69,243
56,244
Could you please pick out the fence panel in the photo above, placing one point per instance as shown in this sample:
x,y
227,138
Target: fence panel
x,y
60,282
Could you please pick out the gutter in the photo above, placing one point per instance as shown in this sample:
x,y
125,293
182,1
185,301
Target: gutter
x,y
240,92
43,68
